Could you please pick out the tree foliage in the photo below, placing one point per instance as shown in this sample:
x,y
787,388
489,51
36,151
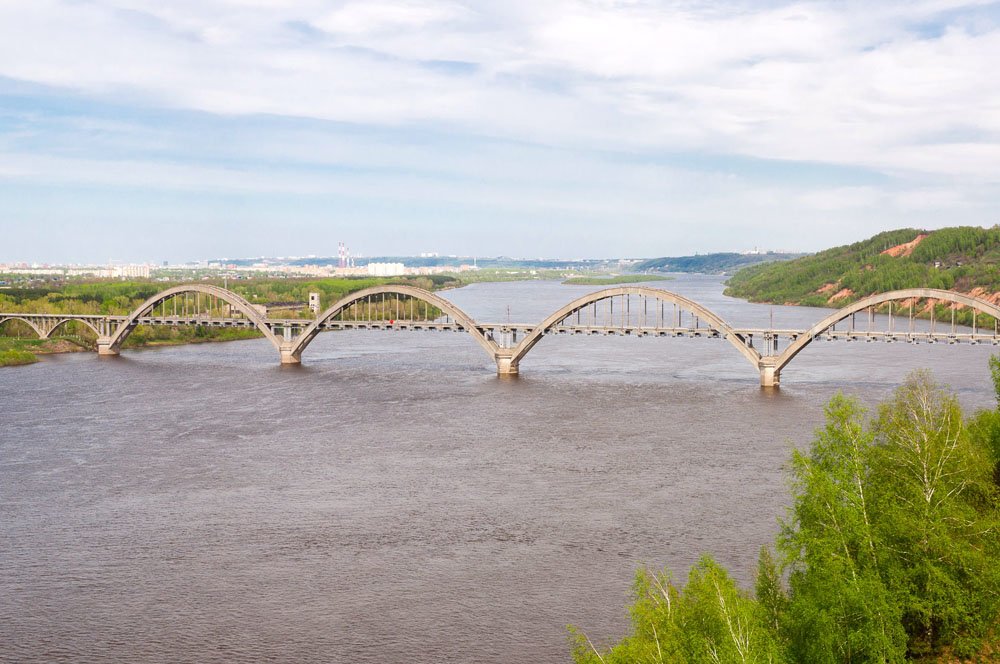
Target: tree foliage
x,y
890,551
840,609
717,263
938,512
960,258
709,619
122,297
119,298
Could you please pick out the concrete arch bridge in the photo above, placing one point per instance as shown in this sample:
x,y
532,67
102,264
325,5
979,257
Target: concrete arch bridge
x,y
626,310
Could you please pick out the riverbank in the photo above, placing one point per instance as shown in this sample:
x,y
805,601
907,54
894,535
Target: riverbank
x,y
15,352
113,297
247,334
145,337
16,358
614,279
19,352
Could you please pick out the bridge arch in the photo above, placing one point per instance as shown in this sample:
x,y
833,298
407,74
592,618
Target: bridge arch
x,y
293,353
74,320
715,322
112,344
805,339
26,321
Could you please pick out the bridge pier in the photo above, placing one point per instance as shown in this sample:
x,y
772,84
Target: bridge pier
x,y
506,366
770,375
105,348
289,357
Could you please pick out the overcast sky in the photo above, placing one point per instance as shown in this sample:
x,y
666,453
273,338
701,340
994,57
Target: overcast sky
x,y
151,130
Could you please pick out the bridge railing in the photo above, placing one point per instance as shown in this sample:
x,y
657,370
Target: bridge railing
x,y
914,316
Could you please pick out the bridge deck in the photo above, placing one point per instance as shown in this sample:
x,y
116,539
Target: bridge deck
x,y
616,311
517,330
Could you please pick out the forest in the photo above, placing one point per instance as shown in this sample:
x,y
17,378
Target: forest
x,y
960,258
716,263
122,297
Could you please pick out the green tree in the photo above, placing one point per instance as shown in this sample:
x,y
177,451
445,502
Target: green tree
x,y
891,549
938,517
710,620
985,426
770,592
840,610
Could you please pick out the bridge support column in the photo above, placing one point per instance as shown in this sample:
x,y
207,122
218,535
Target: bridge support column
x,y
104,347
770,375
289,357
506,366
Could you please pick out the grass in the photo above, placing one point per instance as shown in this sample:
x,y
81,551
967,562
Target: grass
x,y
15,358
615,279
166,336
17,351
494,274
23,345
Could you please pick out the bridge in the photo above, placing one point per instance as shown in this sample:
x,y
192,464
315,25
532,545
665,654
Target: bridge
x,y
627,310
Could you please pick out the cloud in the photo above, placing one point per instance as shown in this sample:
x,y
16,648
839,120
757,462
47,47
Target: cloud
x,y
583,107
373,18
811,81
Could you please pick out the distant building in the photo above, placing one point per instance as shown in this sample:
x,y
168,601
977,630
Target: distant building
x,y
277,308
386,269
314,302
130,271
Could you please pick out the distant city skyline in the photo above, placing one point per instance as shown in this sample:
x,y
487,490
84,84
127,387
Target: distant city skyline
x,y
146,131
364,258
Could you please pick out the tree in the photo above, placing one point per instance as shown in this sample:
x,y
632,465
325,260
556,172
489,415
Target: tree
x,y
985,426
841,610
891,547
938,517
710,620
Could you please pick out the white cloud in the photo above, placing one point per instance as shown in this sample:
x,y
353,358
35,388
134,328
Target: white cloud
x,y
837,82
373,17
904,88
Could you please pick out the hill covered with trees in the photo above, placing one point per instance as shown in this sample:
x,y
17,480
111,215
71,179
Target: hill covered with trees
x,y
964,258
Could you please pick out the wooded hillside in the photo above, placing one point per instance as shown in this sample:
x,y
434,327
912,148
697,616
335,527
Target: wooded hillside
x,y
964,258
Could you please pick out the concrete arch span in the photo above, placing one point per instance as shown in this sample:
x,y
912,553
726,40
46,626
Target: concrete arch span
x,y
45,330
291,353
41,334
715,322
74,320
112,344
773,365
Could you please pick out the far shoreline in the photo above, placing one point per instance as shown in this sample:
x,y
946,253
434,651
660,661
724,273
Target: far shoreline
x,y
615,280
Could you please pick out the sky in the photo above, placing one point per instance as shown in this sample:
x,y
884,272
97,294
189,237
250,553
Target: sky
x,y
143,130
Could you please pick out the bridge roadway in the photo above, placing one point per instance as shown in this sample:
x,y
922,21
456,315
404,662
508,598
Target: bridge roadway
x,y
373,308
512,331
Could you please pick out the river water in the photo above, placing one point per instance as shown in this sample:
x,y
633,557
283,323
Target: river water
x,y
392,500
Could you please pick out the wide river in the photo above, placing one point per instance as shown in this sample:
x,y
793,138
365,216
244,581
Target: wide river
x,y
392,500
